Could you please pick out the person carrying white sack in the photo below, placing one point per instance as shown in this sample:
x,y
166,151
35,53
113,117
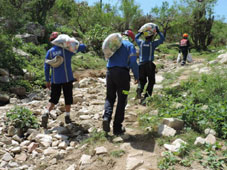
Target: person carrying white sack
x,y
184,47
58,60
146,58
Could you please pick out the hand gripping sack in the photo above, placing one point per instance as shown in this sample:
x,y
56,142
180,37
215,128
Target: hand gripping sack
x,y
149,28
66,42
111,44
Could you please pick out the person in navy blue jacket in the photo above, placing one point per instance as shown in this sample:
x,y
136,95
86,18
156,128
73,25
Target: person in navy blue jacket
x,y
146,65
61,78
118,82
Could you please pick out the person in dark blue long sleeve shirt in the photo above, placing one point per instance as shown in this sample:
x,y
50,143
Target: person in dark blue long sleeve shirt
x,y
61,78
118,82
146,65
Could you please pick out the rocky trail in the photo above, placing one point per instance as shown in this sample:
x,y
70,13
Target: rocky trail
x,y
79,145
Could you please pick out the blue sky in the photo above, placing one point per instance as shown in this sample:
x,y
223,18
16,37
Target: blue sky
x,y
146,5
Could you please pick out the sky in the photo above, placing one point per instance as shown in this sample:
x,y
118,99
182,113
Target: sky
x,y
146,5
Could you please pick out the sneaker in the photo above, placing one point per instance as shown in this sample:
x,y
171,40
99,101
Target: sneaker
x,y
44,122
119,132
143,102
67,119
106,124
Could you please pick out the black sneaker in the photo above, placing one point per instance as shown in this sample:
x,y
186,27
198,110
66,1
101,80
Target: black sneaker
x,y
106,124
44,122
119,132
67,119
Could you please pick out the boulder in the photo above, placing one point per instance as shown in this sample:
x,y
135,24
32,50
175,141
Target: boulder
x,y
4,72
174,123
20,91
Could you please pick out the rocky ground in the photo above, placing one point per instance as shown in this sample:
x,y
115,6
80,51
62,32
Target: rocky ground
x,y
74,146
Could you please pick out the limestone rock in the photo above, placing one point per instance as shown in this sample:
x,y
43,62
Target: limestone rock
x,y
174,123
165,130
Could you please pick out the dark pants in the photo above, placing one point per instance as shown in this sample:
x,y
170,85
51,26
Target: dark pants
x,y
118,82
185,54
146,71
56,93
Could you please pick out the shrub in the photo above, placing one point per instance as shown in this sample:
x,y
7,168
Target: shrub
x,y
22,118
204,105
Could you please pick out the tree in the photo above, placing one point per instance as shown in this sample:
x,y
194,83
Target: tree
x,y
201,22
164,16
130,10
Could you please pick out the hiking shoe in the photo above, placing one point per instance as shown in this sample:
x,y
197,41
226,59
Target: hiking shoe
x,y
106,124
67,119
119,132
44,122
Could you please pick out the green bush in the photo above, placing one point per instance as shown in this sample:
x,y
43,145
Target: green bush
x,y
203,106
95,37
23,118
8,59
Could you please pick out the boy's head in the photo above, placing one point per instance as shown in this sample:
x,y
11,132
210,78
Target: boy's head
x,y
53,36
130,35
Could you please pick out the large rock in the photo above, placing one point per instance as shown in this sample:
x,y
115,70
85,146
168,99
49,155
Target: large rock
x,y
35,29
21,53
4,99
165,130
20,91
174,123
3,72
28,38
175,146
4,79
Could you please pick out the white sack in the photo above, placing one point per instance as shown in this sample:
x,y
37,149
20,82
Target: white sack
x,y
111,44
66,42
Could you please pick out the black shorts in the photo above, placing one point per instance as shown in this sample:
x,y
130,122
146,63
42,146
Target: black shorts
x,y
67,91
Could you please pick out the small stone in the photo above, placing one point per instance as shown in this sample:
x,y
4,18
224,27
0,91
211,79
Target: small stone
x,y
100,150
62,145
85,159
16,150
11,131
7,157
21,157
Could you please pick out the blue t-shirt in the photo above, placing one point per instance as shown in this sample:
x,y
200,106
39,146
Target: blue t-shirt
x,y
125,57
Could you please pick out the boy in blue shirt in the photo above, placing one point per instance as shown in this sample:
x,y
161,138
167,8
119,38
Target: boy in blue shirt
x,y
146,65
118,82
61,78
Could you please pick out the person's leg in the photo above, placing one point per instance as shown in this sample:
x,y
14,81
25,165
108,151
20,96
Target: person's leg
x,y
185,54
151,79
68,96
54,98
123,86
142,80
110,100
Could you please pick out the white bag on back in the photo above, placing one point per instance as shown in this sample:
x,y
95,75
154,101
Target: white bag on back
x,y
66,42
111,44
179,58
148,27
189,58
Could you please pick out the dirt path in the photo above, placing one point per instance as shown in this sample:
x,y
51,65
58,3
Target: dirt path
x,y
136,150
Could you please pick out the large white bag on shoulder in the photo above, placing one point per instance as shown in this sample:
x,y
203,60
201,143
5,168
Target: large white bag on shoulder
x,y
148,27
111,44
189,58
66,42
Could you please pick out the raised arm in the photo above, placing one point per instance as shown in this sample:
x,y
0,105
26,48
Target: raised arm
x,y
138,41
161,39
